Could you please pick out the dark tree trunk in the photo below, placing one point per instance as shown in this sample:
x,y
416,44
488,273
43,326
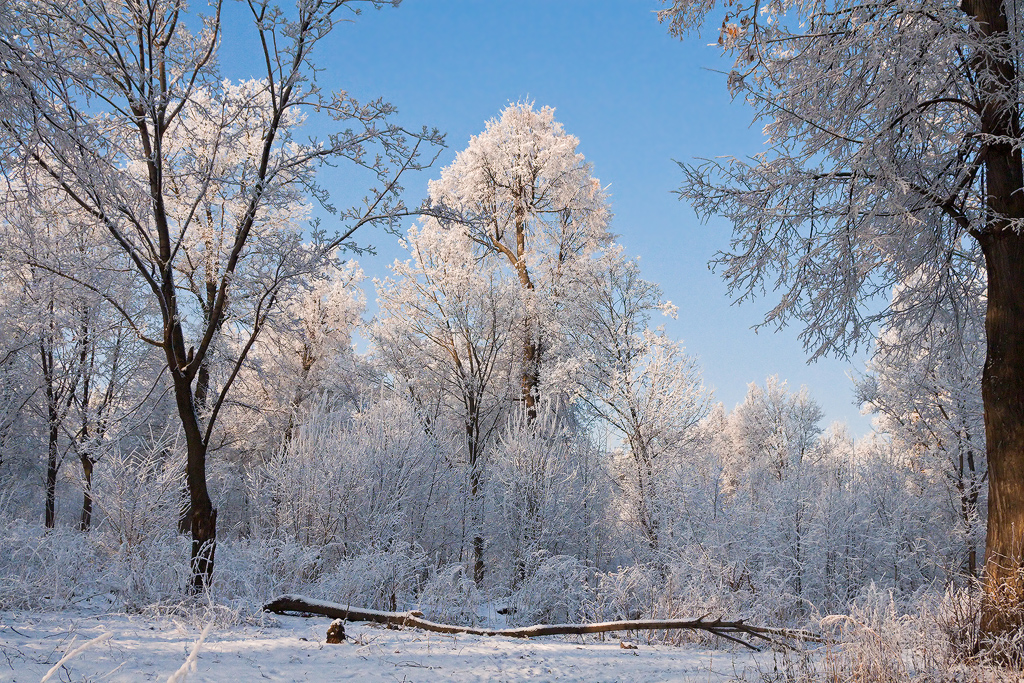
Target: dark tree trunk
x,y
531,375
86,362
1003,392
52,466
1003,376
52,417
87,464
203,521
476,523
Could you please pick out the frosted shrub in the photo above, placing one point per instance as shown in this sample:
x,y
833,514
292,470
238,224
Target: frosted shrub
x,y
48,569
957,617
138,492
872,640
692,590
544,485
385,580
557,590
153,570
132,557
450,596
58,568
882,639
138,495
345,479
632,592
251,573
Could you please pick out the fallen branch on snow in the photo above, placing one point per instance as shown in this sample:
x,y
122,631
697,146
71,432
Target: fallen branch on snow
x,y
414,619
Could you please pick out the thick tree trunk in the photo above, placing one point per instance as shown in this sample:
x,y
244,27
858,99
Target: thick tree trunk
x,y
1003,376
1003,393
203,522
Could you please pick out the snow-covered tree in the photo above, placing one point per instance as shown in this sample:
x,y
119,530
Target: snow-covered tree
x,y
640,383
894,143
306,350
82,387
158,149
528,199
775,438
775,430
446,332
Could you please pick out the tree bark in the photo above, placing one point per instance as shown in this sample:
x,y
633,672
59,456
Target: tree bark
x,y
87,465
530,379
52,422
203,517
475,522
86,359
52,466
1003,393
1003,375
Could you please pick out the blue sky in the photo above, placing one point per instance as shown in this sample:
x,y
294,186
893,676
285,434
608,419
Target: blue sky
x,y
635,97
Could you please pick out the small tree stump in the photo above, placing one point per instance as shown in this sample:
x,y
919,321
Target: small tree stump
x,y
336,632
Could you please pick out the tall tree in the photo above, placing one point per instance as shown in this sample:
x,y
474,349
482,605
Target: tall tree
x,y
640,383
446,330
894,139
529,199
41,227
134,123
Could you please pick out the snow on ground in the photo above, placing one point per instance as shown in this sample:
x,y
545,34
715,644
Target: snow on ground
x,y
141,649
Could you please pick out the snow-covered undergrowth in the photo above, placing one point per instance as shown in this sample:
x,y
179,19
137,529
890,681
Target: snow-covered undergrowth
x,y
58,569
61,583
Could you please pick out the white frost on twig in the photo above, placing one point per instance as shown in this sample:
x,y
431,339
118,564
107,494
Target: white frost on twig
x,y
181,675
81,648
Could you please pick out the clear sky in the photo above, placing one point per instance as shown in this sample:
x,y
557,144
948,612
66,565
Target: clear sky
x,y
636,98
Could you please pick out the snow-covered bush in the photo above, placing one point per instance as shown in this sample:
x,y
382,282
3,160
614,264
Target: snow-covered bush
x,y
549,496
251,572
53,569
378,579
631,592
450,595
870,640
58,568
353,481
557,590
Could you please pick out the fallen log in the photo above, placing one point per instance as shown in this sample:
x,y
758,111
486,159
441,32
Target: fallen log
x,y
414,619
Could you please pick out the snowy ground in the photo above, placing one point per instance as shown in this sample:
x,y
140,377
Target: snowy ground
x,y
141,649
